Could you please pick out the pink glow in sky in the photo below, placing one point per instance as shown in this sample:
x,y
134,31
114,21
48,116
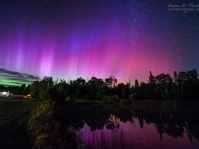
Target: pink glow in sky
x,y
70,39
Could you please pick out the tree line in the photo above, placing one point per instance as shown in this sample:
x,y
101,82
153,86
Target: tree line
x,y
183,85
20,90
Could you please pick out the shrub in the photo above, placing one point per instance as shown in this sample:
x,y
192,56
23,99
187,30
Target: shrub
x,y
132,97
42,125
110,99
115,98
70,99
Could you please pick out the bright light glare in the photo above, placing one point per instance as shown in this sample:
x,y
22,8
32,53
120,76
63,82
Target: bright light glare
x,y
4,93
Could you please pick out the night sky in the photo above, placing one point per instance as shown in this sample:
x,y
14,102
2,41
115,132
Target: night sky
x,y
67,39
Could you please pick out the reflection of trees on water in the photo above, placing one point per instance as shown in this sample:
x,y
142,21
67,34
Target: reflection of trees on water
x,y
112,122
96,117
171,124
76,116
192,126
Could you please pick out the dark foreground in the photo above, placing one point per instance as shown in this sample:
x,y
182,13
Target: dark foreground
x,y
14,115
141,125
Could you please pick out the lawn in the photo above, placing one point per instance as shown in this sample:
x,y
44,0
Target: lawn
x,y
14,115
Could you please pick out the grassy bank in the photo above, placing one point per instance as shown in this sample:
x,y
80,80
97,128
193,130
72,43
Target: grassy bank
x,y
13,119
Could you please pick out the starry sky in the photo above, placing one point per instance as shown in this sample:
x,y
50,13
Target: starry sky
x,y
67,39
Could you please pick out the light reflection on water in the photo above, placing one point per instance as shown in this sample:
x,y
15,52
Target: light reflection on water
x,y
131,135
126,129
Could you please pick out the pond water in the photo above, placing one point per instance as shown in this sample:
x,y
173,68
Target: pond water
x,y
113,127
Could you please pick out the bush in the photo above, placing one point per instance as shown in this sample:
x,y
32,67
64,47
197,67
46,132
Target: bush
x,y
70,99
110,99
115,98
43,127
132,97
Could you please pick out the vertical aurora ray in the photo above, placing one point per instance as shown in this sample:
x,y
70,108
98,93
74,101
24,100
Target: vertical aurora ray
x,y
104,54
90,39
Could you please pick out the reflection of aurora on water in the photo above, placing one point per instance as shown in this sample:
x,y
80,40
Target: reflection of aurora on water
x,y
103,138
125,128
132,136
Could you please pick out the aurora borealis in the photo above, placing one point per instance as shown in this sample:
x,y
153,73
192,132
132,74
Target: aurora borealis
x,y
67,39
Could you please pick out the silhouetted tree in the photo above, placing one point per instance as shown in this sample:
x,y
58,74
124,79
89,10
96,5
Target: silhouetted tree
x,y
163,85
152,86
34,89
111,81
21,89
44,84
183,85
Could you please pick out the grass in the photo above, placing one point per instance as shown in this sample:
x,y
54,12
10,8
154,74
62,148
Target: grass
x,y
14,115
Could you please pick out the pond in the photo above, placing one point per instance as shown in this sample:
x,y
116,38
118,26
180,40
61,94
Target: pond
x,y
115,127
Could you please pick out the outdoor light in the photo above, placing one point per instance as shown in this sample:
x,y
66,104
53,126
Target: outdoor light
x,y
4,93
